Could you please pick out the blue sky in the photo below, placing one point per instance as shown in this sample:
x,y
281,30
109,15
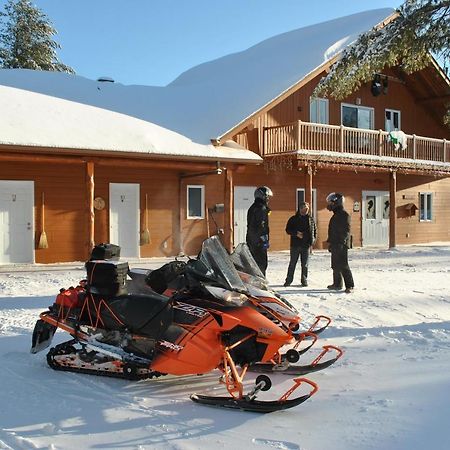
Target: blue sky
x,y
151,42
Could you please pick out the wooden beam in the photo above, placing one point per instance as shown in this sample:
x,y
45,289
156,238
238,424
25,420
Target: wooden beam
x,y
392,209
309,185
229,211
32,158
439,98
90,185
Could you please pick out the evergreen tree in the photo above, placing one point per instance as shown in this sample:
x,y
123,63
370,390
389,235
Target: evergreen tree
x,y
420,27
26,39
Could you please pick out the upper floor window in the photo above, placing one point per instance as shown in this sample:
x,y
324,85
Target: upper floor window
x,y
426,206
195,201
318,110
357,116
392,120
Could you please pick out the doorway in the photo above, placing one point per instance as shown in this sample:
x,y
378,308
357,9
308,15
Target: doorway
x,y
16,222
243,199
375,218
124,218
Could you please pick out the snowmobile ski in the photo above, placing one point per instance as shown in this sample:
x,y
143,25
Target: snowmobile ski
x,y
249,403
286,368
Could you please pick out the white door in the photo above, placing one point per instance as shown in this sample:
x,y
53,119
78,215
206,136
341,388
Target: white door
x,y
124,218
16,222
243,199
375,218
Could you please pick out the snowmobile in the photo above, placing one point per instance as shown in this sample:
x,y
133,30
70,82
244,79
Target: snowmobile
x,y
250,280
143,334
259,287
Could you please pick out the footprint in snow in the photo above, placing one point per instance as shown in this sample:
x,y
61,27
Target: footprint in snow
x,y
280,445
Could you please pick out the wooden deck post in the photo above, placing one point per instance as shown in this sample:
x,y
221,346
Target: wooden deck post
x,y
90,185
392,209
309,186
299,135
380,142
229,211
341,138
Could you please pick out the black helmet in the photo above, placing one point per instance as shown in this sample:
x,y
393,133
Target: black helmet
x,y
264,193
335,200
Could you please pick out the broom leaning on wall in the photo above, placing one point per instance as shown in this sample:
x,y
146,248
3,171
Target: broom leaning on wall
x,y
43,243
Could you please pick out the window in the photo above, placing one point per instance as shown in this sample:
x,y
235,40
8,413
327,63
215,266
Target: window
x,y
392,120
318,110
426,206
301,198
357,116
195,202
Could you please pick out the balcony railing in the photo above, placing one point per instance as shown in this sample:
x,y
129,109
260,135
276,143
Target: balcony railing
x,y
333,138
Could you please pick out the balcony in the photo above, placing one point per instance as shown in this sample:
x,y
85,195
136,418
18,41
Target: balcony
x,y
321,142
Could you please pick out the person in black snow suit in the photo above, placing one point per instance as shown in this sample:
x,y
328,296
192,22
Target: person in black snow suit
x,y
302,229
339,243
258,226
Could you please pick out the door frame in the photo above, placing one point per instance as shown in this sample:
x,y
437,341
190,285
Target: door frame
x,y
30,191
379,195
137,188
253,188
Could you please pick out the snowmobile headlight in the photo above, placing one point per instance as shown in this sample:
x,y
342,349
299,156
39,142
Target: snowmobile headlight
x,y
236,298
233,297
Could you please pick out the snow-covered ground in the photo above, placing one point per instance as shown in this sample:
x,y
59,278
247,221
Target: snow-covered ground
x,y
390,390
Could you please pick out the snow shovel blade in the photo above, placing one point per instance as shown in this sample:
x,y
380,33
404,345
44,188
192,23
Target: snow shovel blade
x,y
42,336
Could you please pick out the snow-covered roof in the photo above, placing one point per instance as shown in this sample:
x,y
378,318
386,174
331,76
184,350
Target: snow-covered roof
x,y
210,99
33,119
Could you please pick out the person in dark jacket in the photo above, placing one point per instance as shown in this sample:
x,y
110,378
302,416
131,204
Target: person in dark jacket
x,y
302,229
339,243
258,226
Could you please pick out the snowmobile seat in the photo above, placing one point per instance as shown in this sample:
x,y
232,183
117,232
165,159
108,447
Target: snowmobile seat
x,y
147,314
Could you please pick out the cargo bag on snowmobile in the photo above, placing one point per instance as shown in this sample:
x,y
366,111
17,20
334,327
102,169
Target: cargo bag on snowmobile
x,y
105,251
107,278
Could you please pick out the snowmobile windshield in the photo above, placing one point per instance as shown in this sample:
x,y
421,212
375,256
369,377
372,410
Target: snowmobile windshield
x,y
214,256
246,265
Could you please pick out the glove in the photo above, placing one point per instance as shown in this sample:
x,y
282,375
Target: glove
x,y
265,242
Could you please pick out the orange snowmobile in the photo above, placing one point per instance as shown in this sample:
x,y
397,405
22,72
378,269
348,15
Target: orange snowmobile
x,y
176,278
259,288
143,334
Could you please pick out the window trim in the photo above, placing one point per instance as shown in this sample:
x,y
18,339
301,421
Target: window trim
x,y
202,201
369,108
313,207
319,100
399,117
426,195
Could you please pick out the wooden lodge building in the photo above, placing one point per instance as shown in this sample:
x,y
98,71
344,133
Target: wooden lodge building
x,y
84,162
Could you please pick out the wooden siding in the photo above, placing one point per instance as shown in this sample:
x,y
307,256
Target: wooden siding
x,y
65,207
417,116
67,213
409,229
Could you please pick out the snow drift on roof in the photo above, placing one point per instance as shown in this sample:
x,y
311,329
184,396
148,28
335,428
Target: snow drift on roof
x,y
33,119
206,101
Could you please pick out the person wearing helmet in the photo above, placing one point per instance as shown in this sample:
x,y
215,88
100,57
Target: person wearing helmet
x,y
302,229
339,243
258,226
